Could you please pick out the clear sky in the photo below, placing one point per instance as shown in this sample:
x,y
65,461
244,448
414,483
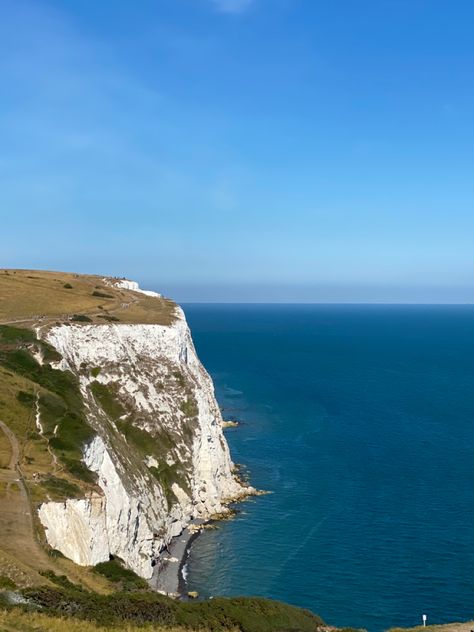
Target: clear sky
x,y
269,150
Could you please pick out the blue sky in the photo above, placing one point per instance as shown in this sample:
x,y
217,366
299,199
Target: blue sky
x,y
242,150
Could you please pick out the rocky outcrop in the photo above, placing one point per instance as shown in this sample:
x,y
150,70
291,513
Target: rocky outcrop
x,y
159,453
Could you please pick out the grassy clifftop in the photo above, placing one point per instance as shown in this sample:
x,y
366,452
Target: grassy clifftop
x,y
47,465
32,296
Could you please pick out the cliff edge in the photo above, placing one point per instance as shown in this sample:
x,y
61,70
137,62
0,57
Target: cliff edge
x,y
125,410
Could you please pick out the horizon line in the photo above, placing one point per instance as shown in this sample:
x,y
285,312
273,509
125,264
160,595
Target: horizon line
x,y
375,303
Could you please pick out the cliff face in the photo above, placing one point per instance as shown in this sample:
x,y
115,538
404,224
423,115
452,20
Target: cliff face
x,y
159,453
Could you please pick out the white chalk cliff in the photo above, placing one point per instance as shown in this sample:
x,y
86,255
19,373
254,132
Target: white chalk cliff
x,y
160,461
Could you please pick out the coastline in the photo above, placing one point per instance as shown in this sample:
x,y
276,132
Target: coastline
x,y
183,587
168,575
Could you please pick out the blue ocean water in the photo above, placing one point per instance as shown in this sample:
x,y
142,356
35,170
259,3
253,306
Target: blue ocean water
x,y
360,419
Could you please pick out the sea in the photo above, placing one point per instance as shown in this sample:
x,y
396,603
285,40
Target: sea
x,y
360,422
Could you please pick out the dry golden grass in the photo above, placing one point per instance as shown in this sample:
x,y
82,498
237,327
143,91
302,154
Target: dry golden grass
x,y
17,621
449,627
5,450
31,295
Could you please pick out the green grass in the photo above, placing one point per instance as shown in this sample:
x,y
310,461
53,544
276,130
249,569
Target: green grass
x,y
18,621
60,580
60,487
6,583
61,407
16,335
146,444
28,399
141,439
123,578
166,475
159,446
108,401
189,407
246,614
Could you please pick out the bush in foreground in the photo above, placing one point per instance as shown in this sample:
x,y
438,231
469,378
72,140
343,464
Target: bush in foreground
x,y
245,614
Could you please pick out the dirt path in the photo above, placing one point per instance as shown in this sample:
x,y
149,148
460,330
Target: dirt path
x,y
16,520
15,456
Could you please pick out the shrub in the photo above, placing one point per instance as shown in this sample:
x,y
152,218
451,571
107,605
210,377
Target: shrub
x,y
247,614
81,318
189,408
101,294
118,608
11,334
68,286
107,400
6,583
61,487
79,470
60,580
116,573
28,399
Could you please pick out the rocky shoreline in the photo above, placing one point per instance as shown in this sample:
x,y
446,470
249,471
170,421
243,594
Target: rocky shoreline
x,y
168,575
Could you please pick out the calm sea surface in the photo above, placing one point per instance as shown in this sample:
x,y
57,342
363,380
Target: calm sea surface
x,y
360,419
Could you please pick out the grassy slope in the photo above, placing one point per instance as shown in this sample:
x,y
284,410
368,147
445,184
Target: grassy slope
x,y
30,298
50,465
246,614
17,621
27,295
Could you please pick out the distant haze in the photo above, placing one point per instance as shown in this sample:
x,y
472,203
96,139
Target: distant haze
x,y
260,293
242,150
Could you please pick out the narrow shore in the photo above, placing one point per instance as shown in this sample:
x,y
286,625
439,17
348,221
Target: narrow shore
x,y
168,575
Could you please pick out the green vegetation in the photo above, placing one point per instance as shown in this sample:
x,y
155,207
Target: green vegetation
x,y
60,580
166,475
16,335
81,318
68,286
101,294
179,378
60,402
111,319
123,578
61,487
158,446
104,395
189,408
141,439
95,371
6,583
243,614
18,621
28,399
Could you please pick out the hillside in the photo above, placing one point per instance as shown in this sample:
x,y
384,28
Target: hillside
x,y
110,421
32,296
111,444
